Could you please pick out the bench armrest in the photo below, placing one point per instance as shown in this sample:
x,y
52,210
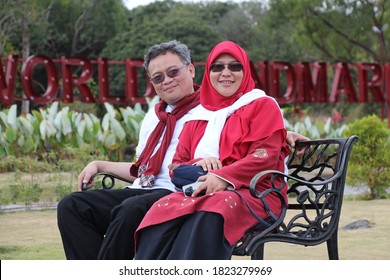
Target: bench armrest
x,y
252,244
107,176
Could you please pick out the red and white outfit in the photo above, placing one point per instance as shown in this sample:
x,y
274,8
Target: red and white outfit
x,y
252,139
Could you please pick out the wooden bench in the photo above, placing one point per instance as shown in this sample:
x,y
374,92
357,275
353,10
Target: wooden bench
x,y
316,183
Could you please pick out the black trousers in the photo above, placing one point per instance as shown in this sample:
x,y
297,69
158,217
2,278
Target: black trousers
x,y
100,224
198,236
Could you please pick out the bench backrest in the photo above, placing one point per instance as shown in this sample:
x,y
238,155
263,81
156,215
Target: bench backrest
x,y
324,162
316,183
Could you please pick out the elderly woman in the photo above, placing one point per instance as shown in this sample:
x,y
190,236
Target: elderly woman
x,y
244,135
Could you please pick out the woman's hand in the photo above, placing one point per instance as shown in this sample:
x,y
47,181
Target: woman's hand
x,y
210,163
211,184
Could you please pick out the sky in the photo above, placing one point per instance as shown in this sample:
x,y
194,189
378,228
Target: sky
x,y
130,4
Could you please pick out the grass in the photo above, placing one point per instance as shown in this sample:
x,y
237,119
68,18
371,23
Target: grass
x,y
50,187
30,235
33,235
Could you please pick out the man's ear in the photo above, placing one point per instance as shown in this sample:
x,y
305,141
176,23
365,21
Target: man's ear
x,y
191,68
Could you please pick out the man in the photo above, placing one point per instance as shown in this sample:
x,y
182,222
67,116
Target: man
x,y
100,224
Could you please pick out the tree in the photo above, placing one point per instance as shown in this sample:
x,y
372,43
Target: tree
x,y
337,30
8,24
59,28
370,159
83,27
17,20
159,22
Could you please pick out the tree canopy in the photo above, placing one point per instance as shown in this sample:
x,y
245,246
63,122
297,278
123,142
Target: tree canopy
x,y
287,30
332,30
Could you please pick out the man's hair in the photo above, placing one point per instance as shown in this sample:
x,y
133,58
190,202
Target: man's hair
x,y
173,46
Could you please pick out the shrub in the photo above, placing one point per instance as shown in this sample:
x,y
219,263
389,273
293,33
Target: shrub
x,y
370,159
316,128
54,129
62,190
31,194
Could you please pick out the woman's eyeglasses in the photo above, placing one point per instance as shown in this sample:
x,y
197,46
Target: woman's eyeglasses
x,y
172,73
219,67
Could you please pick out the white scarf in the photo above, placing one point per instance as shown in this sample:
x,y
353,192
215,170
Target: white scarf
x,y
209,144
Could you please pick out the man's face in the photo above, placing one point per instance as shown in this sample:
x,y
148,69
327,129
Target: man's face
x,y
172,89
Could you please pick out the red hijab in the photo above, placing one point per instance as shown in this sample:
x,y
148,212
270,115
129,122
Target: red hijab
x,y
209,97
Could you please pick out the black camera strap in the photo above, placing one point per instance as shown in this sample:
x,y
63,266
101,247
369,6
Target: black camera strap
x,y
266,208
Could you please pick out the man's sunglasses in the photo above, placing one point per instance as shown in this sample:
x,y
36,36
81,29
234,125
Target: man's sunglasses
x,y
219,67
172,73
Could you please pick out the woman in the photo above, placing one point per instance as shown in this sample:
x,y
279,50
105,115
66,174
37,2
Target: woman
x,y
244,135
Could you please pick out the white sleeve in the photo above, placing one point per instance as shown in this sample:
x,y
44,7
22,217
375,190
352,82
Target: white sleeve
x,y
149,123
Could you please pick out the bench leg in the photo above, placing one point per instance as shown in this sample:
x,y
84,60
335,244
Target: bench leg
x,y
259,253
333,251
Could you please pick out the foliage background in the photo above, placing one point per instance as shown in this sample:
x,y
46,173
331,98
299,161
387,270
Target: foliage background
x,y
274,30
46,169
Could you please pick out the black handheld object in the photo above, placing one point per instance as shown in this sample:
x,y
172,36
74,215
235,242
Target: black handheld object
x,y
190,188
106,184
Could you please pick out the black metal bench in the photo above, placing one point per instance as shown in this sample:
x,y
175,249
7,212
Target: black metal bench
x,y
316,182
315,194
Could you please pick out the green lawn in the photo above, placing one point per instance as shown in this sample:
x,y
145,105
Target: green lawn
x,y
33,235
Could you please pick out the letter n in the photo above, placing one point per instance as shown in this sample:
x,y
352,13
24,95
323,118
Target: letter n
x,y
289,95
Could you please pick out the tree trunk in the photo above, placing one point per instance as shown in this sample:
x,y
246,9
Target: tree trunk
x,y
25,54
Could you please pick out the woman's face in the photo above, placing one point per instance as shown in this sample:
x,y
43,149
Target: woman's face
x,y
226,75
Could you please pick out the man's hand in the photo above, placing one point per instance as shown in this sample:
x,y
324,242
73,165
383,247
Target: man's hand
x,y
85,176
